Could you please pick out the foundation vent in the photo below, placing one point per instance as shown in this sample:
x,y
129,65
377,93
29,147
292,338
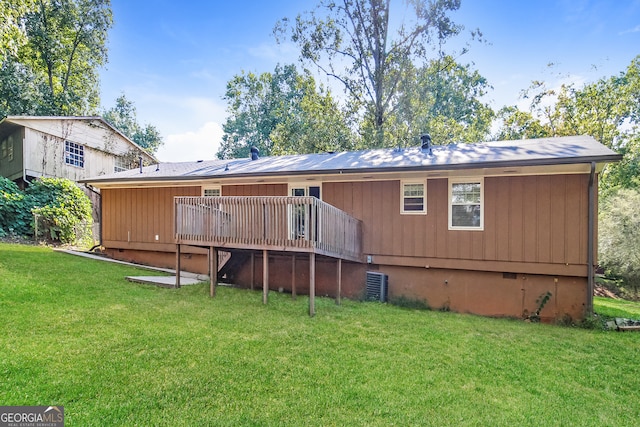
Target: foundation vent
x,y
377,286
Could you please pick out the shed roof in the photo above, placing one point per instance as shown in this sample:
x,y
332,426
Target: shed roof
x,y
526,152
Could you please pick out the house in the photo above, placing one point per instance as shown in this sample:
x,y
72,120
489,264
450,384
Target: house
x,y
488,228
65,147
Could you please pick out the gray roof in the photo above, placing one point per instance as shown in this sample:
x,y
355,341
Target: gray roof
x,y
526,152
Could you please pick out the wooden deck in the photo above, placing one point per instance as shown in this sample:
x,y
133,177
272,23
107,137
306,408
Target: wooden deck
x,y
284,224
290,224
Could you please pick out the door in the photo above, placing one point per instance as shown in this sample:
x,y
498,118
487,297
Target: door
x,y
301,217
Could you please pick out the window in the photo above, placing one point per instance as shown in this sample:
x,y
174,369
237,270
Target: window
x,y
212,191
4,148
414,200
121,164
74,154
465,204
10,149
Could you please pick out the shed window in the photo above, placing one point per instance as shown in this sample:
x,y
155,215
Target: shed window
x,y
74,154
121,164
466,204
414,200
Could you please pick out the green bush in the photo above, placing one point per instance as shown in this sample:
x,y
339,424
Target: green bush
x,y
619,237
15,218
63,210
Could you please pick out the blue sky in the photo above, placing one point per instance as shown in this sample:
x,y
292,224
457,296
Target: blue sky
x,y
173,59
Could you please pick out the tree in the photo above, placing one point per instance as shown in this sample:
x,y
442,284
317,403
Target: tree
x,y
619,241
517,124
353,41
442,98
281,113
608,110
11,35
124,118
57,48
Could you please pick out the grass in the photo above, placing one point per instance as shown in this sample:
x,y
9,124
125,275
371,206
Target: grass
x,y
75,333
608,307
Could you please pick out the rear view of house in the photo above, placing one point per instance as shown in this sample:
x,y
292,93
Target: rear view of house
x,y
484,228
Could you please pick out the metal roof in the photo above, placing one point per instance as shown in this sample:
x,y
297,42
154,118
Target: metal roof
x,y
526,152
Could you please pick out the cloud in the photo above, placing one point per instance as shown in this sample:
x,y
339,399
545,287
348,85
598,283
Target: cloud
x,y
635,29
276,53
191,146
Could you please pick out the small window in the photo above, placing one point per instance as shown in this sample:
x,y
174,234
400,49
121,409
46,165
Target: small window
x,y
10,150
74,154
466,204
214,191
414,197
121,164
4,148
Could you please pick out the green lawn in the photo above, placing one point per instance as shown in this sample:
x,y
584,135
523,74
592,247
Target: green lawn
x,y
75,333
616,308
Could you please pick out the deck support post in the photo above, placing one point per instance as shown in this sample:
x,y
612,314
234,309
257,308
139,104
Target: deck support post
x,y
177,266
312,284
253,269
339,279
293,276
265,275
213,270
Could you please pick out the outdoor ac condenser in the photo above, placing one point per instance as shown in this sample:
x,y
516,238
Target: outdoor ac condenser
x,y
377,286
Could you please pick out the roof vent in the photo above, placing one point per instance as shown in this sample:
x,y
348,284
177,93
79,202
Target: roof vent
x,y
255,153
426,143
140,163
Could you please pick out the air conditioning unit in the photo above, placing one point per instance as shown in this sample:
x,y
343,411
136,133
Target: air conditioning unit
x,y
377,286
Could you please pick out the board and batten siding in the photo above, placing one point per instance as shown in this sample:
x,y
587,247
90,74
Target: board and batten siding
x,y
137,215
527,219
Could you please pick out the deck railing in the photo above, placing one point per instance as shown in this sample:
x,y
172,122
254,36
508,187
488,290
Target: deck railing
x,y
303,224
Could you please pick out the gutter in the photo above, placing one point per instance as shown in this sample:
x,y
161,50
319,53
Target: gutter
x,y
591,241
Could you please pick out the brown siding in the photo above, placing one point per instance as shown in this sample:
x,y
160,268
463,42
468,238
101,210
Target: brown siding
x,y
532,219
137,215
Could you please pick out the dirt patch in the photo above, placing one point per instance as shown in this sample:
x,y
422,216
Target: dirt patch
x,y
602,291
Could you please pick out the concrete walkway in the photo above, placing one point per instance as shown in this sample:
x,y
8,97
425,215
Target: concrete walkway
x,y
186,278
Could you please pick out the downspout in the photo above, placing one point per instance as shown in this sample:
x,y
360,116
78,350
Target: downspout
x,y
591,240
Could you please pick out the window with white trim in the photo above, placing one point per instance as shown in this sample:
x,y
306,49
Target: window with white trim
x,y
74,154
121,164
212,191
413,198
466,209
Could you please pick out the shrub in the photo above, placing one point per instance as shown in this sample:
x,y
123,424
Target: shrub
x,y
64,210
619,237
15,218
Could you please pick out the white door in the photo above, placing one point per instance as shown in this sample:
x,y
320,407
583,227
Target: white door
x,y
303,224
